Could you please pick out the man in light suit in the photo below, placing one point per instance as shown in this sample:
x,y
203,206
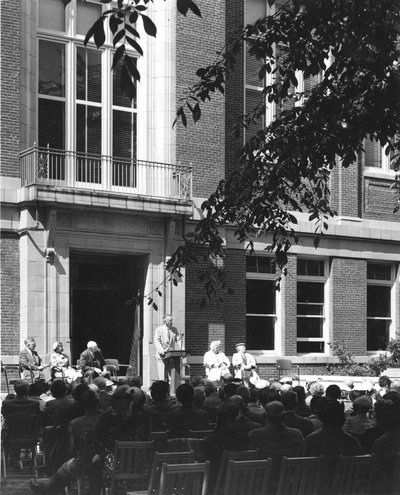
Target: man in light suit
x,y
165,338
30,362
243,362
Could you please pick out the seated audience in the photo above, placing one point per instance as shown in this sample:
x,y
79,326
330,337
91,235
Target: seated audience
x,y
105,398
302,409
211,401
291,419
160,405
254,410
35,393
315,405
330,441
224,437
186,417
21,404
371,434
58,409
199,397
359,421
386,447
243,424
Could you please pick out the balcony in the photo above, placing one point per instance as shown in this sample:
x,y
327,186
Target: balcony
x,y
97,176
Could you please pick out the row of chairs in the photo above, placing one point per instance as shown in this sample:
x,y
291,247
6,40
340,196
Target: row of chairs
x,y
178,473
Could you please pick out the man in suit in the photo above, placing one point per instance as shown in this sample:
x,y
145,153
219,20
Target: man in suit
x,y
30,362
92,362
165,338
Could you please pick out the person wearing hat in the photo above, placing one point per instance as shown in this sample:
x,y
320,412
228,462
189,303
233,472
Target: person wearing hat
x,y
60,366
243,363
360,421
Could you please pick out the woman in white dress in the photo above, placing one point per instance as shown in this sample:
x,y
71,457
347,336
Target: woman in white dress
x,y
60,365
216,363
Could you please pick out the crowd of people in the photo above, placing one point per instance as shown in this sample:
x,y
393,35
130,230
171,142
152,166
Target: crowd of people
x,y
276,418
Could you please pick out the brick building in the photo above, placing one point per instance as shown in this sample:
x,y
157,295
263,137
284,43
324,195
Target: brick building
x,y
96,191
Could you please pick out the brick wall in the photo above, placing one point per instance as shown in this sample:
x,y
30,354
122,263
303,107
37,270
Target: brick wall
x,y
348,303
202,144
10,85
379,200
234,94
10,312
289,309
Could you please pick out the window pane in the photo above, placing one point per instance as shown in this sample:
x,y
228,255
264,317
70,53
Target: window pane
x,y
119,98
378,301
124,134
304,347
310,309
51,68
311,267
51,123
260,333
377,334
251,264
88,72
253,67
312,292
52,15
88,13
253,99
376,271
373,153
260,264
260,297
309,327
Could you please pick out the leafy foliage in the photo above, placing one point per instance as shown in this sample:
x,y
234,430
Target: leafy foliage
x,y
286,167
373,367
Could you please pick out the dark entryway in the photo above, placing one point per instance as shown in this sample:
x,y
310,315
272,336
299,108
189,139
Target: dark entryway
x,y
103,297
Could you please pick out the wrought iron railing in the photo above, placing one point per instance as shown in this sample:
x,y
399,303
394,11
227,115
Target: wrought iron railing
x,y
105,173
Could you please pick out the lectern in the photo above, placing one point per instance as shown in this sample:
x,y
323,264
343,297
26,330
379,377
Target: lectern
x,y
175,364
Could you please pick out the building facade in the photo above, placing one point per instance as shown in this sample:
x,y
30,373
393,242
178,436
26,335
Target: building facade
x,y
96,192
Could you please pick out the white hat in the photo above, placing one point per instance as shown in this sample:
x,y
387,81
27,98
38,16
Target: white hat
x,y
261,384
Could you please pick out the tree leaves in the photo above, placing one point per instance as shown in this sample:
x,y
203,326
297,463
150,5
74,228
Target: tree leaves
x,y
184,6
149,25
97,31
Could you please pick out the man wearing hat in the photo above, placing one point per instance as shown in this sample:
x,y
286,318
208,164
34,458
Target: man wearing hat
x,y
243,362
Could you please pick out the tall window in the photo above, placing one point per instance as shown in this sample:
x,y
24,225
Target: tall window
x,y
255,9
376,158
80,106
260,303
379,304
311,279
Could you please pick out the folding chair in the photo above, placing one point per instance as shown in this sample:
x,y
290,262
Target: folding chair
x,y
165,457
352,475
199,433
178,445
284,366
231,455
197,446
132,463
247,477
160,439
22,435
113,366
184,479
298,476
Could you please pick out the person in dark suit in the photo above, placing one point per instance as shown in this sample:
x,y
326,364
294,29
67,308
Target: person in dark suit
x,y
30,362
58,408
92,362
21,404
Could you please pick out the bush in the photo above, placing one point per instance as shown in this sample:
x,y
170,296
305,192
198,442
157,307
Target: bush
x,y
373,367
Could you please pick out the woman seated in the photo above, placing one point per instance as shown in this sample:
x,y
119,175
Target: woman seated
x,y
60,365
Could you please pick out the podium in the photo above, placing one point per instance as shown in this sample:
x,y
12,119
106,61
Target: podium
x,y
173,365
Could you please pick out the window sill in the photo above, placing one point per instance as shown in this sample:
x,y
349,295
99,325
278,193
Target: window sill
x,y
379,174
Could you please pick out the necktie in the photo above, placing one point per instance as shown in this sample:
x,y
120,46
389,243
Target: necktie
x,y
244,359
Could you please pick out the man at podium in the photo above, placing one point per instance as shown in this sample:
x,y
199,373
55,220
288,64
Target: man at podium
x,y
165,338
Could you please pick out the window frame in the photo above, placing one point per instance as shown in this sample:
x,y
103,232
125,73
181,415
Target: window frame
x,y
276,316
325,307
383,283
383,170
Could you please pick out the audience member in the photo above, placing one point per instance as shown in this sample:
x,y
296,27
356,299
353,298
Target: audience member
x,y
212,400
291,419
35,393
196,381
255,414
384,383
186,417
302,409
105,398
315,405
199,397
333,392
224,437
161,405
330,441
314,389
254,410
243,424
371,434
359,421
57,410
21,404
